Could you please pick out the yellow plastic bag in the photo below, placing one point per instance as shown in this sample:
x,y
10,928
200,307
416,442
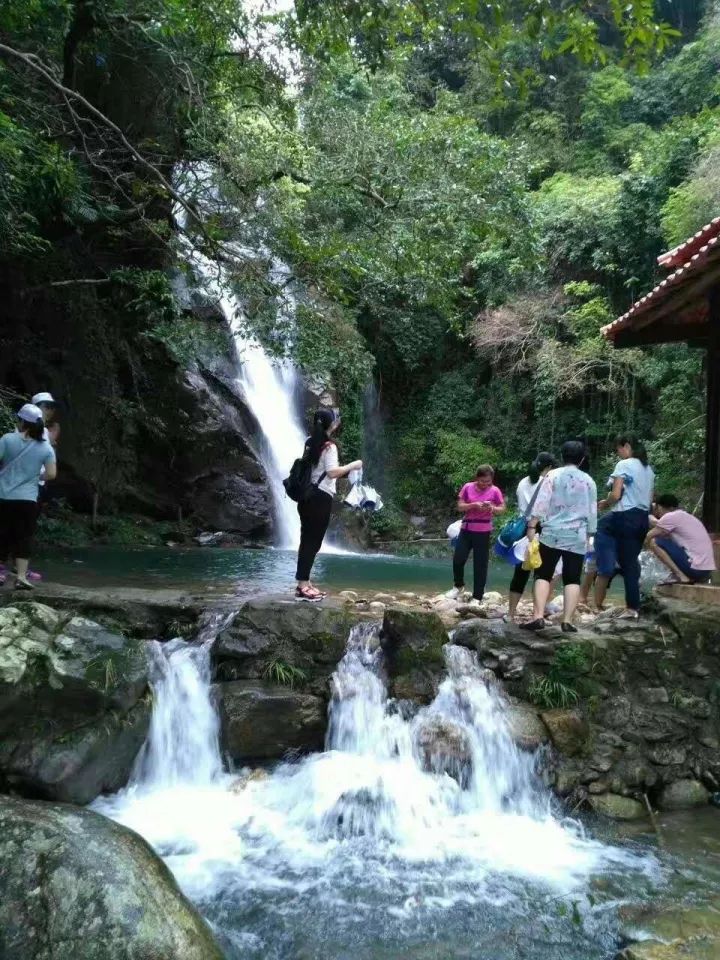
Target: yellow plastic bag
x,y
532,558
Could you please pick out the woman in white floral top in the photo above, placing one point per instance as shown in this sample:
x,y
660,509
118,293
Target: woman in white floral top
x,y
567,509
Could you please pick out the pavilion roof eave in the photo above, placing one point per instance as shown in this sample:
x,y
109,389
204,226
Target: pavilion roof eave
x,y
684,251
679,300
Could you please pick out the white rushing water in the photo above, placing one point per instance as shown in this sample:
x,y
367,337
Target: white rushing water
x,y
271,389
399,813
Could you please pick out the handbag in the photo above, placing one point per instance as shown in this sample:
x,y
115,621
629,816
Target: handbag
x,y
516,528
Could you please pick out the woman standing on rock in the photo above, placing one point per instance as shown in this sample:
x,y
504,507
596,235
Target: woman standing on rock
x,y
478,501
315,511
527,490
24,454
622,531
567,509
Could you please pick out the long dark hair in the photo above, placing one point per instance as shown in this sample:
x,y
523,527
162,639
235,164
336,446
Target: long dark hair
x,y
36,431
323,419
541,462
638,447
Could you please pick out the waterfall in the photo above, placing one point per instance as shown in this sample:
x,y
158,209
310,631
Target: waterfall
x,y
182,744
271,387
374,452
438,797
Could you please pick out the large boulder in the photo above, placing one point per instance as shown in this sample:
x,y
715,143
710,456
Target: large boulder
x,y
683,795
74,765
309,637
73,711
263,721
77,886
617,807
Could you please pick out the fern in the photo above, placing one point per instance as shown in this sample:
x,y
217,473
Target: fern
x,y
283,673
548,693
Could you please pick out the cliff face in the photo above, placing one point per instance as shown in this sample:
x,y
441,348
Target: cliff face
x,y
140,429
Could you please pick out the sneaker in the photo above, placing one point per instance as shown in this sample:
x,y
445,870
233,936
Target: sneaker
x,y
568,628
533,625
21,584
454,594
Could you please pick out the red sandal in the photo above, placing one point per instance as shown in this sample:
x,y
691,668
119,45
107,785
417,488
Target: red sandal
x,y
308,595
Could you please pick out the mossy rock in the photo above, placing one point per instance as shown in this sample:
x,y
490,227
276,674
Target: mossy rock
x,y
59,761
305,635
98,891
51,660
616,807
414,637
413,642
683,795
72,713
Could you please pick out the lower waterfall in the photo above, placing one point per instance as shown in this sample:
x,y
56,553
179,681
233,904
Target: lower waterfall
x,y
410,826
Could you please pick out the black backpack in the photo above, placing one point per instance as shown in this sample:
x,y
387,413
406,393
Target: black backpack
x,y
299,486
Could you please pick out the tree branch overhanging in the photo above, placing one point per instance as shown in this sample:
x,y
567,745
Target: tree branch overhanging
x,y
31,61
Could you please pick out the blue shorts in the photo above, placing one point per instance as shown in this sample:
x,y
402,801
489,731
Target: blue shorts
x,y
680,558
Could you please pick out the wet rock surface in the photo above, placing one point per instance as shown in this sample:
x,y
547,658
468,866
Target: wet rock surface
x,y
263,721
73,712
309,638
77,886
617,807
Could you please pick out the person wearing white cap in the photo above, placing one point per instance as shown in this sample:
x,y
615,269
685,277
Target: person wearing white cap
x,y
48,405
24,455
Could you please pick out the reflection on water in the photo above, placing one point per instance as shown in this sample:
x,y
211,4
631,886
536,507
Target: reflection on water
x,y
266,569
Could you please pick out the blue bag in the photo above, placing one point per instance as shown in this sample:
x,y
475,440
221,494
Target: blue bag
x,y
516,528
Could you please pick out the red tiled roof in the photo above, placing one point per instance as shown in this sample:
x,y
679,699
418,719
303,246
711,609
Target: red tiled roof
x,y
697,259
682,253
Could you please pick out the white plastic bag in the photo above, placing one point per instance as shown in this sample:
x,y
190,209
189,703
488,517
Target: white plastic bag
x,y
355,496
453,531
364,497
520,549
371,499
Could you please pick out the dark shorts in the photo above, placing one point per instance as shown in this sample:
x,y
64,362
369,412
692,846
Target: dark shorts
x,y
681,559
572,565
18,519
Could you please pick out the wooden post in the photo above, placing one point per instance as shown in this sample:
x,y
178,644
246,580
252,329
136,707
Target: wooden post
x,y
711,501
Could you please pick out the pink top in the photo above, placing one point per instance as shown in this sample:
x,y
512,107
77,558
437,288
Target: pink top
x,y
688,531
481,520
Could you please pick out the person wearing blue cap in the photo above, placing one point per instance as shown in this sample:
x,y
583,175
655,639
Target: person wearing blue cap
x,y
24,455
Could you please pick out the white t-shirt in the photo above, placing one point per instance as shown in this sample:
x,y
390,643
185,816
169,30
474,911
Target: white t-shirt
x,y
525,490
328,461
638,485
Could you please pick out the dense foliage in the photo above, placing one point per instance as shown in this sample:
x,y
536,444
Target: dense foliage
x,y
464,193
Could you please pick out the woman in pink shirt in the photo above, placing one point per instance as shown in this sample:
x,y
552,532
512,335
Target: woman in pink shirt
x,y
478,501
681,542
